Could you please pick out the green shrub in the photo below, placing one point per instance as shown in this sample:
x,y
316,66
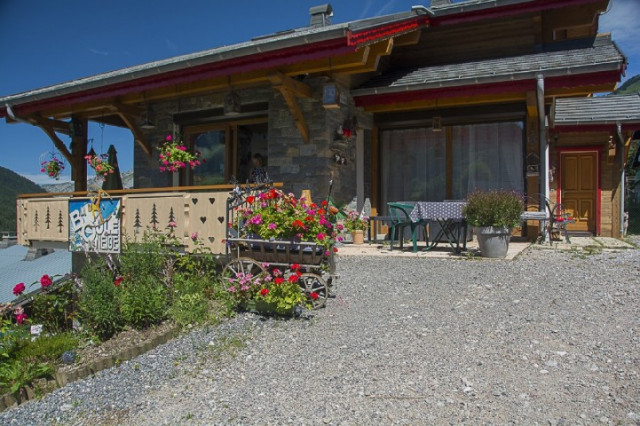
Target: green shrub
x,y
190,309
54,310
15,374
494,208
47,348
143,301
98,301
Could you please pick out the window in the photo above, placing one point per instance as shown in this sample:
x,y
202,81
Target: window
x,y
227,151
419,164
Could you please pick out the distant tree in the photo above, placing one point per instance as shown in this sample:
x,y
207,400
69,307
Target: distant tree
x,y
12,185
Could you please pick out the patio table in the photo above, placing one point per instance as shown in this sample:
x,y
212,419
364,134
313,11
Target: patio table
x,y
448,214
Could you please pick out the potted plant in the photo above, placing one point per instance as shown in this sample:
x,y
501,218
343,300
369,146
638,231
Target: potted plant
x,y
99,164
52,168
174,156
494,214
356,225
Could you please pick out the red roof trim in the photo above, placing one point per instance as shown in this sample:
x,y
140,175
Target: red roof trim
x,y
504,11
388,30
403,96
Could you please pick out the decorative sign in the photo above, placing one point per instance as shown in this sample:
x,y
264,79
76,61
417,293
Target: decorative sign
x,y
94,225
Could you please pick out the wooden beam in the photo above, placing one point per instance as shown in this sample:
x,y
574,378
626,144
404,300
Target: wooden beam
x,y
296,112
281,81
131,122
408,39
532,104
47,126
447,102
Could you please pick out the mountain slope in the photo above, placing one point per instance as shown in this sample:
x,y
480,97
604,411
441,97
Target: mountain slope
x,y
12,185
630,86
93,185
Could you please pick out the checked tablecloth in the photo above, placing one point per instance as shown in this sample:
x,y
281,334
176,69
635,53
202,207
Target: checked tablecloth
x,y
446,210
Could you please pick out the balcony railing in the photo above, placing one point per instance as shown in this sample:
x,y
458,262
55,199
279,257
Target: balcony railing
x,y
43,219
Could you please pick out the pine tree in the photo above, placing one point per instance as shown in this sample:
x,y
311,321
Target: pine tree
x,y
172,217
35,221
136,224
154,216
47,218
60,223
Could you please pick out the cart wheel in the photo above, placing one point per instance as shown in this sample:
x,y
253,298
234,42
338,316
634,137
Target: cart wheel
x,y
312,283
243,265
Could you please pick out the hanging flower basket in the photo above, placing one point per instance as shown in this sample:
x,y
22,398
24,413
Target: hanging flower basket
x,y
175,156
347,131
52,168
99,164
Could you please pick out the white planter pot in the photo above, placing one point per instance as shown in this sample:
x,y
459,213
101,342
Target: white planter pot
x,y
493,241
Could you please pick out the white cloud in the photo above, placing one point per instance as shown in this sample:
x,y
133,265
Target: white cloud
x,y
385,8
98,51
622,22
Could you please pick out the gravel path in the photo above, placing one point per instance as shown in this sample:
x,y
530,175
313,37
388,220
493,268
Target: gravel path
x,y
549,338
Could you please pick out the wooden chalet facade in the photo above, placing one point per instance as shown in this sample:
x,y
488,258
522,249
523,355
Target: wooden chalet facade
x,y
442,99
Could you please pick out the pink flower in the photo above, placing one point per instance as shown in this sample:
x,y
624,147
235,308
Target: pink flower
x,y
272,226
18,289
172,224
41,170
320,236
46,281
20,318
168,138
194,236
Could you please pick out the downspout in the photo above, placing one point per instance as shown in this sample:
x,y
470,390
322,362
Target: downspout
x,y
543,148
622,178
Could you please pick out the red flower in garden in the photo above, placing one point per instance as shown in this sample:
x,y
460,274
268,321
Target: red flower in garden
x,y
335,249
313,295
20,318
264,292
251,199
18,289
297,224
118,281
324,203
278,280
295,267
46,281
293,279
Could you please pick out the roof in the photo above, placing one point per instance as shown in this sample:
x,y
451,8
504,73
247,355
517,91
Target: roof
x,y
600,55
601,110
14,269
281,48
263,44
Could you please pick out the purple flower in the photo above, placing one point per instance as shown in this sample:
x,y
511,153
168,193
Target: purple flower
x,y
272,226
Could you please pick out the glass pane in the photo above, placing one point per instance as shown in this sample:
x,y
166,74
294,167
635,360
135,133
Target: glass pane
x,y
413,165
252,152
211,145
487,156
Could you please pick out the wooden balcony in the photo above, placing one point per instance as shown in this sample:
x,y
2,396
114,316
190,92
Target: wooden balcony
x,y
44,221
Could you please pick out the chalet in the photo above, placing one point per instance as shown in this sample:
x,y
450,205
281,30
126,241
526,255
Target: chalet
x,y
428,104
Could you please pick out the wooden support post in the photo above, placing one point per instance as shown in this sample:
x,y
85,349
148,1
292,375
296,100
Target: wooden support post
x,y
130,116
78,151
48,127
290,89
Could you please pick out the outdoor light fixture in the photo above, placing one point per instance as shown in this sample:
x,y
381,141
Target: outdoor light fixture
x,y
232,104
147,124
436,124
330,95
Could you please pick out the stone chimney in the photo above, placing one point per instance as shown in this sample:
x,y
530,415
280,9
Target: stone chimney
x,y
321,15
440,3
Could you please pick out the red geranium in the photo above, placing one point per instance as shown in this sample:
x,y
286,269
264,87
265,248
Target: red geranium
x,y
118,281
251,199
293,278
20,318
335,249
313,295
278,280
46,281
295,267
264,292
18,289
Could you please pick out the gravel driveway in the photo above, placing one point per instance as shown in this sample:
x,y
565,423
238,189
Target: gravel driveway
x,y
549,338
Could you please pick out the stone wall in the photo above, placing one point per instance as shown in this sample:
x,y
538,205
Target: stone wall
x,y
299,165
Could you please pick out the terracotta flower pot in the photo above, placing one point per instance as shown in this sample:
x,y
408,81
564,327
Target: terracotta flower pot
x,y
358,236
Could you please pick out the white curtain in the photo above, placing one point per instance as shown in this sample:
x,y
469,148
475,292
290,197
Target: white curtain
x,y
413,165
487,156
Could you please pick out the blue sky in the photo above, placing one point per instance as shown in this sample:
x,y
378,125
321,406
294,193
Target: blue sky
x,y
44,42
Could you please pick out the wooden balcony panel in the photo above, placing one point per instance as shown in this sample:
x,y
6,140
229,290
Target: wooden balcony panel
x,y
43,219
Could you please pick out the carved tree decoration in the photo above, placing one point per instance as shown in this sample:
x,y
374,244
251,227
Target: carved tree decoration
x,y
35,221
154,216
172,216
60,223
47,218
136,224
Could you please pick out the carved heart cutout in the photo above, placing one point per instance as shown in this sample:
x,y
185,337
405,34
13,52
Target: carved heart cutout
x,y
194,201
220,219
212,239
212,200
203,219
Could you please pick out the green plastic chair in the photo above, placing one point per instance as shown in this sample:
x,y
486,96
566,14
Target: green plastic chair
x,y
399,214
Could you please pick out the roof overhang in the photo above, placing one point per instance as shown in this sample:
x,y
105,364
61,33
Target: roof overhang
x,y
265,53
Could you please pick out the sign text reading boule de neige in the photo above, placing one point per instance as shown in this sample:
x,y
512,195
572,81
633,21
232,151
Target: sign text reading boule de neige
x,y
94,228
